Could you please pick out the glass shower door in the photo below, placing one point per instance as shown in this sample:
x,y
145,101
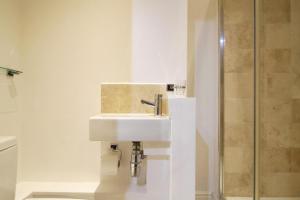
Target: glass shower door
x,y
238,98
260,95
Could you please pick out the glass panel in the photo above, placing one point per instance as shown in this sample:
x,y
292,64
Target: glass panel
x,y
238,98
279,142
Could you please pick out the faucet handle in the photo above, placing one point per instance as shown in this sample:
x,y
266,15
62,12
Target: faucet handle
x,y
158,95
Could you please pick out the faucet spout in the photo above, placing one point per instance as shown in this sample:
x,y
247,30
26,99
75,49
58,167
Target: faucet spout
x,y
157,104
147,102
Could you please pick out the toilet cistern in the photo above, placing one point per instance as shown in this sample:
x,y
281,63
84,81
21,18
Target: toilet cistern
x,y
157,104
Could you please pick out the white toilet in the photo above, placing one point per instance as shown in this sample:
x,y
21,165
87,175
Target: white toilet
x,y
8,167
8,170
51,199
48,196
54,196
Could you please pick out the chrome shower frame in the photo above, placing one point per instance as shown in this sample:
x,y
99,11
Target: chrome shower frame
x,y
256,99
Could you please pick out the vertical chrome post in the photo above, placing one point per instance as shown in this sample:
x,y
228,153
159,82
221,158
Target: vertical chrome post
x,y
221,99
256,93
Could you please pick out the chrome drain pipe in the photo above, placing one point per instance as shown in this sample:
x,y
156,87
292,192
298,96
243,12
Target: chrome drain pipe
x,y
137,156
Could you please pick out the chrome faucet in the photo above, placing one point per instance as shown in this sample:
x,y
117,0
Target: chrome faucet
x,y
157,104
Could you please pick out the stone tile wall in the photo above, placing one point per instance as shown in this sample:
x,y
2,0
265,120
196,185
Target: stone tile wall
x,y
239,65
280,99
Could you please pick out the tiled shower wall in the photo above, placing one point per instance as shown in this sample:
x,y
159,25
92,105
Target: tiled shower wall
x,y
280,99
279,94
238,66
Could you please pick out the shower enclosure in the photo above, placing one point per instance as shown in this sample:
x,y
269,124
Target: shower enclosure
x,y
260,95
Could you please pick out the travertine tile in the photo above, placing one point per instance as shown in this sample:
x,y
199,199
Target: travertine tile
x,y
236,12
277,11
238,184
277,36
277,60
280,97
295,157
296,60
295,32
238,85
239,60
296,110
295,7
239,135
114,98
275,135
238,110
280,184
295,135
239,36
262,35
126,98
238,160
275,160
278,85
277,110
296,87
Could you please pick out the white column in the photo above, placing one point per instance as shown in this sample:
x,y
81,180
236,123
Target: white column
x,y
183,148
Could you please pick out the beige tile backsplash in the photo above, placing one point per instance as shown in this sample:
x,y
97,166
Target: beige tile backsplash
x,y
126,98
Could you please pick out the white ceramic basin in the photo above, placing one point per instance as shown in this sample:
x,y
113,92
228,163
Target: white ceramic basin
x,y
130,127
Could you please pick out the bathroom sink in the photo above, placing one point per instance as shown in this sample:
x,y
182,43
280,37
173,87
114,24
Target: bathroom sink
x,y
130,127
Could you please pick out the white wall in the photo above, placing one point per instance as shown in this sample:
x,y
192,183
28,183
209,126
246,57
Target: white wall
x,y
203,65
10,123
159,39
69,47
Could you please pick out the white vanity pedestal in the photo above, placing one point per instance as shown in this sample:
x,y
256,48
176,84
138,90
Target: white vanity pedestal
x,y
183,148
